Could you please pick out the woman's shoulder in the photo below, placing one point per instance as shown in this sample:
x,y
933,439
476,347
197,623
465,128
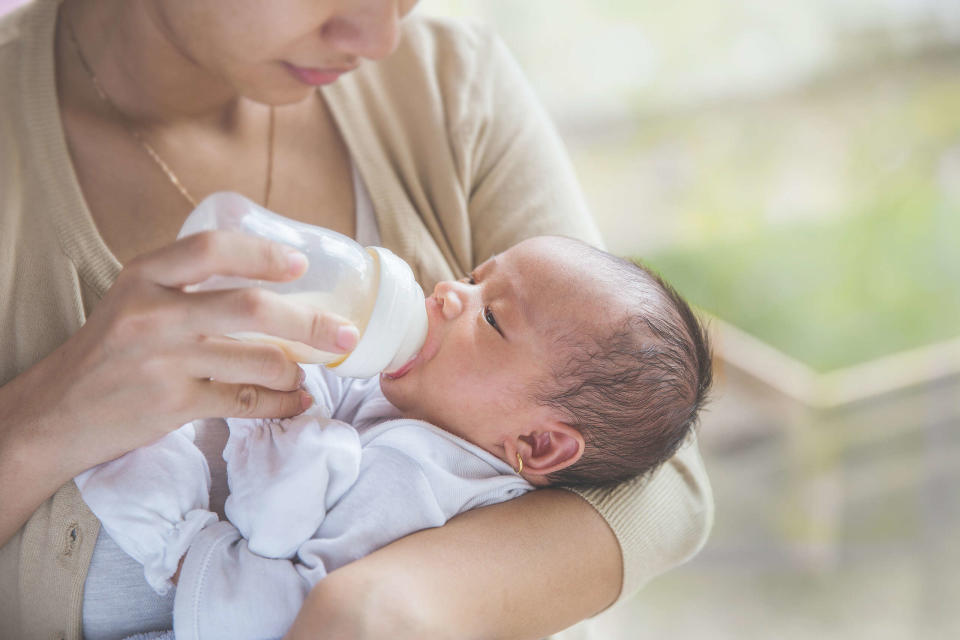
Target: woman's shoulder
x,y
11,27
26,48
16,26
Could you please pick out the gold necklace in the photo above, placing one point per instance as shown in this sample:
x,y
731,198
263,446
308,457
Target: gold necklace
x,y
146,145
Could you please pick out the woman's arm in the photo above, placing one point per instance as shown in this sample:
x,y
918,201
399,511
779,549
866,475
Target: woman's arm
x,y
151,358
520,569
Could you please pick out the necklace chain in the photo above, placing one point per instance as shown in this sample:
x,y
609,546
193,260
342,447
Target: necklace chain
x,y
146,146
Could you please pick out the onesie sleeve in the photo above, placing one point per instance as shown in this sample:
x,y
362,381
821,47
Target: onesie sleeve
x,y
227,591
284,476
412,477
390,499
521,180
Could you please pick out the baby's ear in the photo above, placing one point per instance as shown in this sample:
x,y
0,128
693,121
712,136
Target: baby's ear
x,y
555,445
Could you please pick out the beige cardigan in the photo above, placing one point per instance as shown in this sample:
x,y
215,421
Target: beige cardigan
x,y
460,161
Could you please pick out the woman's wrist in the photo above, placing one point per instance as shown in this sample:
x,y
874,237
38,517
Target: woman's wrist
x,y
39,430
31,455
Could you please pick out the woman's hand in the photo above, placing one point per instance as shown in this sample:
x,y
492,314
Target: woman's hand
x,y
152,357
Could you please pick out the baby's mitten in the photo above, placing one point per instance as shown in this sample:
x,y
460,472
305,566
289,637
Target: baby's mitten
x,y
284,475
153,501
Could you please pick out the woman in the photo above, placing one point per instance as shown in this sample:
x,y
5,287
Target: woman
x,y
116,117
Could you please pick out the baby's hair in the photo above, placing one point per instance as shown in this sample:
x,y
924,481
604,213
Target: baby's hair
x,y
635,387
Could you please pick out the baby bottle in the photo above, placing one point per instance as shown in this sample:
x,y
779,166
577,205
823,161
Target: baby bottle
x,y
371,287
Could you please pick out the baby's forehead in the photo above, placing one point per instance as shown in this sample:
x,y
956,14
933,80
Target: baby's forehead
x,y
565,284
561,264
563,287
550,260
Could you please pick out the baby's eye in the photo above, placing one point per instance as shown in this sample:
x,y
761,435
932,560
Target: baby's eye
x,y
491,319
470,279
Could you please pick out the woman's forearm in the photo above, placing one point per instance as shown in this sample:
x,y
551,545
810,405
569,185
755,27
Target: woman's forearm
x,y
30,463
520,569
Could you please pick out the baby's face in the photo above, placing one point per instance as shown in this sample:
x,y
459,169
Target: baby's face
x,y
491,337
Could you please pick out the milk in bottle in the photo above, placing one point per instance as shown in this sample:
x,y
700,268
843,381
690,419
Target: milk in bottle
x,y
372,287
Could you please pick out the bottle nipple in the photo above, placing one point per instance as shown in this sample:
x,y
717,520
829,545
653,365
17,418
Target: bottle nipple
x,y
398,323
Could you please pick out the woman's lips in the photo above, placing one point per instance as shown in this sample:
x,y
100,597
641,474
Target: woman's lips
x,y
316,77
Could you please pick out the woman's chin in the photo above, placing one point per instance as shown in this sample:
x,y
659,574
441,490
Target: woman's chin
x,y
274,91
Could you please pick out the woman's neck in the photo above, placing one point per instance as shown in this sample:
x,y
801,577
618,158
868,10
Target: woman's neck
x,y
138,64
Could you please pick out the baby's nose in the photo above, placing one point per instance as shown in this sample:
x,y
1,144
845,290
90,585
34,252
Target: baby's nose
x,y
450,296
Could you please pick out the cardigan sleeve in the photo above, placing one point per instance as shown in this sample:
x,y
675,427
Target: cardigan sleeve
x,y
661,519
524,185
521,181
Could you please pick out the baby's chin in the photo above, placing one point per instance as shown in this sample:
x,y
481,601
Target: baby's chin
x,y
398,394
407,399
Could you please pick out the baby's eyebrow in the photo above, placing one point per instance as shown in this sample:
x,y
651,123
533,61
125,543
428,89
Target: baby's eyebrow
x,y
487,264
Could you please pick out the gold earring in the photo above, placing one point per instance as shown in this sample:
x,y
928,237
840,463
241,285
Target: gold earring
x,y
519,463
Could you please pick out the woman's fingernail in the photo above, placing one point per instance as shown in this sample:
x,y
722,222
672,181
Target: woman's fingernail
x,y
347,337
296,261
305,401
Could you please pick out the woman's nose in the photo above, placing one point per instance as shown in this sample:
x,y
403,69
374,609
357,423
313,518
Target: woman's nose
x,y
452,297
366,28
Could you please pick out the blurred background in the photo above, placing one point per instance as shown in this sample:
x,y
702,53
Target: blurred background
x,y
793,167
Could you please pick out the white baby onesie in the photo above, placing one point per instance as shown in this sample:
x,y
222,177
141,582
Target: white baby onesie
x,y
307,495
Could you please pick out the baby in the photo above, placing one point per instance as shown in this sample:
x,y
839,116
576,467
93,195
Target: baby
x,y
552,364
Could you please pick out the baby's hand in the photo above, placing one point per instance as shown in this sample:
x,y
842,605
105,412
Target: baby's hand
x,y
284,475
153,501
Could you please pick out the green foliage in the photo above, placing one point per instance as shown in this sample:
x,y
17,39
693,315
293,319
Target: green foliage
x,y
827,222
836,294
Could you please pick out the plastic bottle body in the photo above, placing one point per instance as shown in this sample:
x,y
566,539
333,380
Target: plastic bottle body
x,y
304,353
371,287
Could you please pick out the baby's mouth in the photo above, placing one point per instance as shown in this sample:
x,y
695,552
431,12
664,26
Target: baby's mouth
x,y
393,375
430,345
